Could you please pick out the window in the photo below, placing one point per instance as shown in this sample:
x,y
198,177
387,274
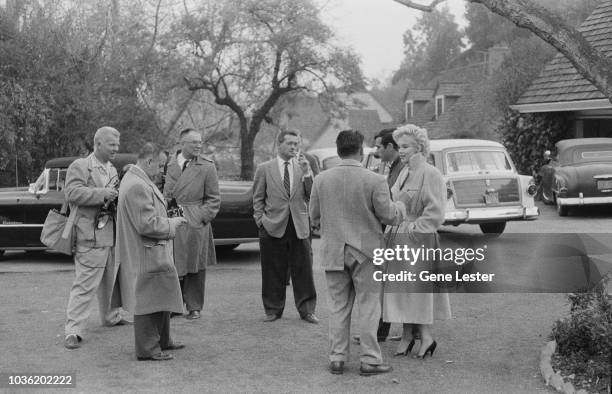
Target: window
x,y
469,161
409,110
439,106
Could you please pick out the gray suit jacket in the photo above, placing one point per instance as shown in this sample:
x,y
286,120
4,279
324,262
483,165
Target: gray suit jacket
x,y
350,203
272,205
83,185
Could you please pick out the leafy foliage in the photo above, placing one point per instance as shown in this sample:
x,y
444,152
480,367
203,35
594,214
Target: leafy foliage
x,y
584,338
429,47
527,136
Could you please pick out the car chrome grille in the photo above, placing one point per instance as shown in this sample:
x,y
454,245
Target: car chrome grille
x,y
472,191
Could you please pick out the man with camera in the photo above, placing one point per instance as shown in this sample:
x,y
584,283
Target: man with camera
x,y
91,190
144,248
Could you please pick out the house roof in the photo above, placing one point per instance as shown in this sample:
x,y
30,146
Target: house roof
x,y
417,94
559,86
444,88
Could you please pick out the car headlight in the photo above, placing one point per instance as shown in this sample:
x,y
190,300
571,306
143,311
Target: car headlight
x,y
532,189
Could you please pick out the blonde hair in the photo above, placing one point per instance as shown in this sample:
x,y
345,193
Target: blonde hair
x,y
418,133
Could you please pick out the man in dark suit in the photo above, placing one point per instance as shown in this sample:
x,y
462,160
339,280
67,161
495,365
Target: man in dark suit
x,y
350,203
281,189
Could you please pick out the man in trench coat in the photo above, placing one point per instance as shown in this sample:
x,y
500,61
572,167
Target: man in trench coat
x,y
90,189
191,180
144,247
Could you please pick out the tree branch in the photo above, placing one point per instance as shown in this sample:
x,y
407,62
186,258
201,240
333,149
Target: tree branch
x,y
420,7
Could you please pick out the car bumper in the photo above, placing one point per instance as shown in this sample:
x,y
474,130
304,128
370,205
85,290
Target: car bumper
x,y
580,200
486,215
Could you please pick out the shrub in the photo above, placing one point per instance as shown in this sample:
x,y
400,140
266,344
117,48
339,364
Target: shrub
x,y
584,338
527,136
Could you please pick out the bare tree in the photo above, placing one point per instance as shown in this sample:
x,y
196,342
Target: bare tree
x,y
249,53
591,63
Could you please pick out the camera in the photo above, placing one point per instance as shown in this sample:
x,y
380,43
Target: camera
x,y
174,210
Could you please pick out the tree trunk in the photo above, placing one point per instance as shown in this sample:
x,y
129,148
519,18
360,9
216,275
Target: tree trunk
x,y
247,152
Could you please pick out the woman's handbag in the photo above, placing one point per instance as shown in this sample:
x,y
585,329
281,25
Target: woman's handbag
x,y
58,230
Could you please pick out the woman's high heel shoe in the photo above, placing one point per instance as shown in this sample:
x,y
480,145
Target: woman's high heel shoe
x,y
429,350
407,351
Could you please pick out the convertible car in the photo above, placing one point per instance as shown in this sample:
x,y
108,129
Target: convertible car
x,y
580,174
23,210
482,184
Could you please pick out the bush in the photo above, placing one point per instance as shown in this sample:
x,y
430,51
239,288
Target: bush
x,y
527,136
584,338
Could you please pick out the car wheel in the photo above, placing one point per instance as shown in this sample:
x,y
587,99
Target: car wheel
x,y
493,228
226,248
562,210
548,197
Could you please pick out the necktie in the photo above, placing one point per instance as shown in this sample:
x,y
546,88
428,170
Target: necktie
x,y
185,164
286,180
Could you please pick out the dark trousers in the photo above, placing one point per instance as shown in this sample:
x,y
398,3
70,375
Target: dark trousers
x,y
192,287
151,333
383,329
279,255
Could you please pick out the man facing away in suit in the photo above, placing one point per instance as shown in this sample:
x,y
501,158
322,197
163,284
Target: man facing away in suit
x,y
350,202
280,193
192,182
144,247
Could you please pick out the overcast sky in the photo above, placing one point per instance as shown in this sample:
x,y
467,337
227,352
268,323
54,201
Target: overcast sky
x,y
374,28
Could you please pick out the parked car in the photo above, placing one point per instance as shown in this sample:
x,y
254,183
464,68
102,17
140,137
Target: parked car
x,y
328,157
23,210
483,186
580,174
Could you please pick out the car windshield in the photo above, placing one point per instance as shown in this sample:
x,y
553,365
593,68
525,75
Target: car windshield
x,y
477,160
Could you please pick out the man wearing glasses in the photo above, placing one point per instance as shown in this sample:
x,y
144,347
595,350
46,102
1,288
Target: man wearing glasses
x,y
91,191
192,182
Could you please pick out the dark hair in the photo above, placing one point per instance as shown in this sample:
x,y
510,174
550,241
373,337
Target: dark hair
x,y
349,142
184,132
282,134
386,138
148,150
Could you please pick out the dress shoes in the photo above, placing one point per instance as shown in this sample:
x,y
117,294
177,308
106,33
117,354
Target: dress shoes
x,y
157,357
336,367
270,317
72,341
193,315
369,369
124,322
175,314
310,318
174,346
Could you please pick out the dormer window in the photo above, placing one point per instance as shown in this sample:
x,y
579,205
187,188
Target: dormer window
x,y
439,106
409,111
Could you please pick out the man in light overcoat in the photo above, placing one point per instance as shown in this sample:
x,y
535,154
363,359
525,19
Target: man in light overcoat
x,y
191,180
281,189
144,247
90,189
350,202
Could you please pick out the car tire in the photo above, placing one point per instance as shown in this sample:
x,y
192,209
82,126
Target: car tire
x,y
548,198
226,248
493,228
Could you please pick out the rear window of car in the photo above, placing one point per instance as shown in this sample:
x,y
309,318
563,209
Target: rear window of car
x,y
57,178
470,161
